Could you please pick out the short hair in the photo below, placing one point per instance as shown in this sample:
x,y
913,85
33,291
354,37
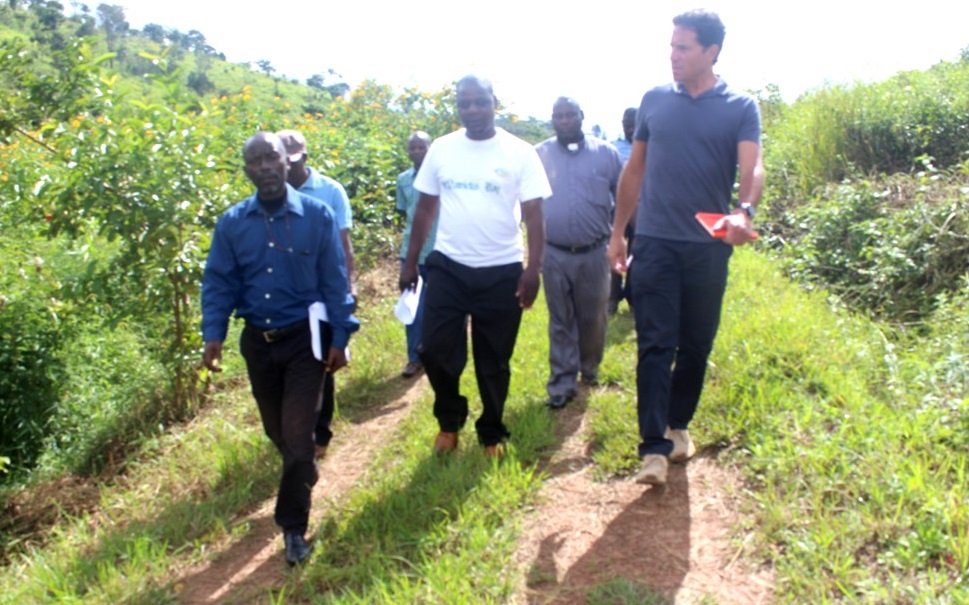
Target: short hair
x,y
483,83
567,101
707,25
630,111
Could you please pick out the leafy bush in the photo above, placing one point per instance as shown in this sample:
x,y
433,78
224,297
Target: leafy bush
x,y
892,245
30,367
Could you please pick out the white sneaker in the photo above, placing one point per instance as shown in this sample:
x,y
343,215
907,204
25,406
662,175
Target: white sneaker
x,y
683,448
653,470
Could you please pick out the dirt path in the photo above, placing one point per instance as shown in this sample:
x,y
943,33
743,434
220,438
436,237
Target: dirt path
x,y
253,565
677,539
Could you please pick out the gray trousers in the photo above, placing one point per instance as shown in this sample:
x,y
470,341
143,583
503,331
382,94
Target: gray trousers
x,y
577,293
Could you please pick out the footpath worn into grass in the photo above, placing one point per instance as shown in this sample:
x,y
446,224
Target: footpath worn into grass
x,y
811,486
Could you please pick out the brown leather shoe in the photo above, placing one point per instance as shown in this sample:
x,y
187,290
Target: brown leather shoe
x,y
320,451
494,451
445,443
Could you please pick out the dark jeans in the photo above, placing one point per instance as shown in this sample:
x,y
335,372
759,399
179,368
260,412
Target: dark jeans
x,y
286,380
677,297
487,295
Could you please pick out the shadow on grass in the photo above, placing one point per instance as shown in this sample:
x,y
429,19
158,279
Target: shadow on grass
x,y
622,327
397,530
646,546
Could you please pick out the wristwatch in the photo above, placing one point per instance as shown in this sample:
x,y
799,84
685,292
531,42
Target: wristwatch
x,y
749,209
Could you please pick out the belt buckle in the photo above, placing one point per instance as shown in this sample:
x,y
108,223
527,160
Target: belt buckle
x,y
269,335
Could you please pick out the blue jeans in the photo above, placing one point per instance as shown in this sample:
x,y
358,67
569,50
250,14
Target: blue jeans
x,y
677,291
413,331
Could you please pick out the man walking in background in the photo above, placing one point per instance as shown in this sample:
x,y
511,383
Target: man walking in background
x,y
583,172
691,136
407,198
272,256
617,289
482,181
311,182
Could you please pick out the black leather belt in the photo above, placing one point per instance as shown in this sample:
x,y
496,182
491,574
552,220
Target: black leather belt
x,y
278,333
580,249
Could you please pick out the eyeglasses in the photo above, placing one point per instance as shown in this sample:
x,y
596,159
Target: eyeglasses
x,y
481,103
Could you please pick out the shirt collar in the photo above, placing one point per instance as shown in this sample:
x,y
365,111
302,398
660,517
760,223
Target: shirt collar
x,y
720,88
294,202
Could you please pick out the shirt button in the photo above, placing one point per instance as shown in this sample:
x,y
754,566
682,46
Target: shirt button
x,y
269,270
268,321
272,244
267,295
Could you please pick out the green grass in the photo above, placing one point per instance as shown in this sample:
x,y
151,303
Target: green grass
x,y
856,486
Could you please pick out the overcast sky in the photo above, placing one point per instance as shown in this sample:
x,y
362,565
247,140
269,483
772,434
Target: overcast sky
x,y
605,53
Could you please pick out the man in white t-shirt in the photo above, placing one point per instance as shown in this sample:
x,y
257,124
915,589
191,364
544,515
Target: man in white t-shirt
x,y
481,182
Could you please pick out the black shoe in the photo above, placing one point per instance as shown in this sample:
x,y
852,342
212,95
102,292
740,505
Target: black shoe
x,y
557,402
297,549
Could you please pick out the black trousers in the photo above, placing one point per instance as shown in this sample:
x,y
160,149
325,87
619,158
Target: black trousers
x,y
286,380
456,292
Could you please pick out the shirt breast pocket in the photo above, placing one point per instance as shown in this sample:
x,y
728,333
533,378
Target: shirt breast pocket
x,y
302,265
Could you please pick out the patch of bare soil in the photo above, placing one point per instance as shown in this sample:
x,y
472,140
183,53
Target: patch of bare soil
x,y
677,539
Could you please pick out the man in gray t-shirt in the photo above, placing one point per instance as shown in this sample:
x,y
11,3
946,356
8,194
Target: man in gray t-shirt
x,y
698,132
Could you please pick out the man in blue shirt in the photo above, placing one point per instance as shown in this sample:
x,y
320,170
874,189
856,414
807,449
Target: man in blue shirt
x,y
272,256
692,137
407,198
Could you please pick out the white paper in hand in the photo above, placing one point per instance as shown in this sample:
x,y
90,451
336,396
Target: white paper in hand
x,y
406,308
317,314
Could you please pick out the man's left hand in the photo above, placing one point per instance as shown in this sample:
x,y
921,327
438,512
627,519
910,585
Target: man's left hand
x,y
739,230
527,288
335,359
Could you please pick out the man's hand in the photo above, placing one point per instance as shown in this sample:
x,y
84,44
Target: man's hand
x,y
616,253
408,277
738,226
527,288
212,355
335,359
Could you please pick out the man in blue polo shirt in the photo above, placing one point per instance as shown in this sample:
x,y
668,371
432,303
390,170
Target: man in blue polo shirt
x,y
272,256
691,138
312,183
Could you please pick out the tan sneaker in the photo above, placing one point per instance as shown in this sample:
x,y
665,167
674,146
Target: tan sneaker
x,y
445,443
653,470
494,451
320,451
683,448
